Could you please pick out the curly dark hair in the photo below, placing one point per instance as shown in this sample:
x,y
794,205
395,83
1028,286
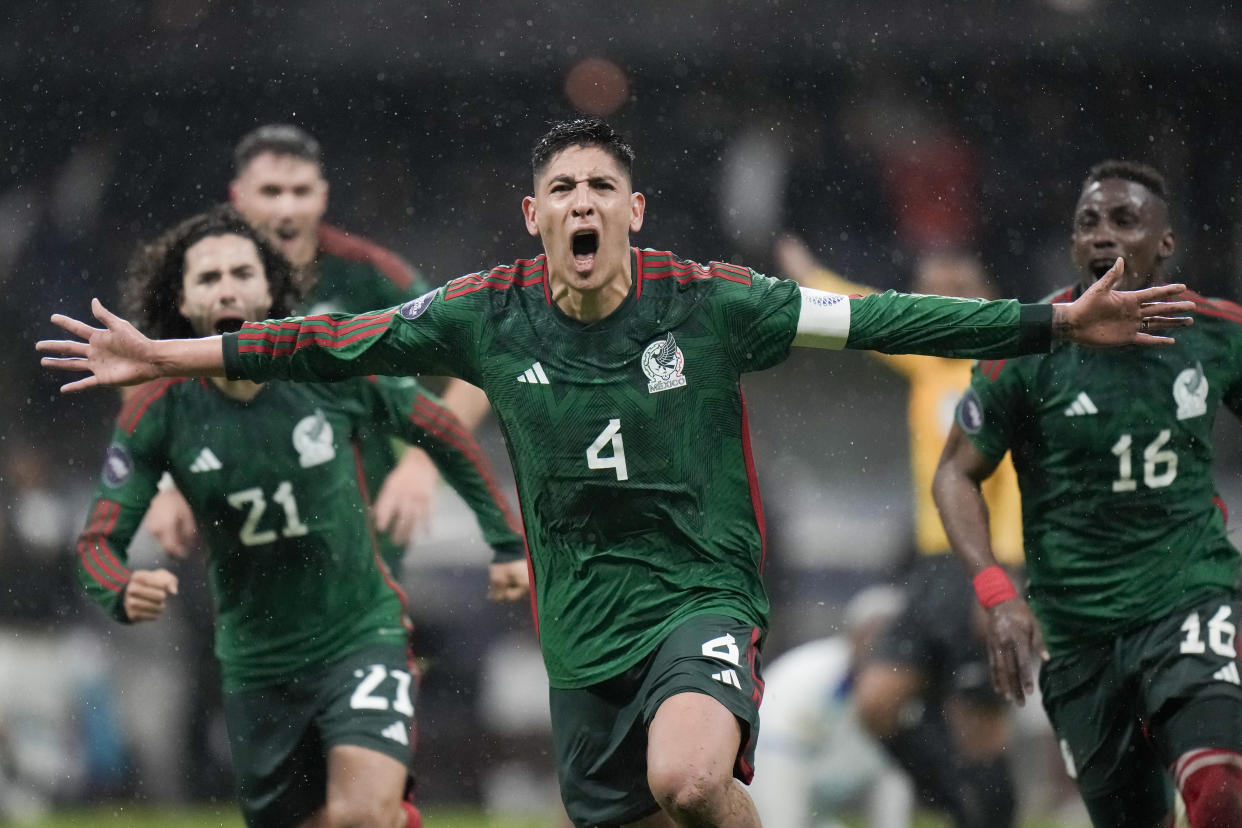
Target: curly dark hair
x,y
154,282
1143,174
581,132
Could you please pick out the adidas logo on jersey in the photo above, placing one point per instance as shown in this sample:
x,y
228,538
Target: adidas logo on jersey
x,y
728,677
396,732
1081,405
1228,673
534,375
206,461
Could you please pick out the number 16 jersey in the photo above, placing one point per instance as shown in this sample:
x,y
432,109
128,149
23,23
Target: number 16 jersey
x,y
1113,448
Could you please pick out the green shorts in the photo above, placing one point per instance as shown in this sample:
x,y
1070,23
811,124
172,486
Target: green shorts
x,y
280,734
1124,711
599,733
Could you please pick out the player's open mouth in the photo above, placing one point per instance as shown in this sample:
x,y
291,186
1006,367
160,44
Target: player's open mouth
x,y
1100,266
224,326
286,233
585,245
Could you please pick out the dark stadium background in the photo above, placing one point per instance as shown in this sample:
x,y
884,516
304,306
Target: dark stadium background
x,y
117,118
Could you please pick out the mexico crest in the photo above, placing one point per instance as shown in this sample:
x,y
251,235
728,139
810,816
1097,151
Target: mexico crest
x,y
662,362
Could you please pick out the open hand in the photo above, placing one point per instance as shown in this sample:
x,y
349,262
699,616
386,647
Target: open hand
x,y
1104,316
116,354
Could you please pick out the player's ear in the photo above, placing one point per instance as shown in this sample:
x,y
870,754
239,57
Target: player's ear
x,y
1166,247
234,191
638,206
528,211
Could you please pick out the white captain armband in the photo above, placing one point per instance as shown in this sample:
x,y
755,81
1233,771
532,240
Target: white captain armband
x,y
824,321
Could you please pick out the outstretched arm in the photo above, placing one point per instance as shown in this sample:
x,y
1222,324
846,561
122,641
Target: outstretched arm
x,y
898,323
118,354
1015,642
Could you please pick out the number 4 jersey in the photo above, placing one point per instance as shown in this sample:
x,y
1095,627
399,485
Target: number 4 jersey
x,y
1113,450
628,436
275,487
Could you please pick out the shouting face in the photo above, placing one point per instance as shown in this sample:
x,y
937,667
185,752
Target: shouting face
x,y
223,284
584,210
1118,217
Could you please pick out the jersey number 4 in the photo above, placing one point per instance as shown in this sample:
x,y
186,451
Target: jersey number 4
x,y
610,435
255,504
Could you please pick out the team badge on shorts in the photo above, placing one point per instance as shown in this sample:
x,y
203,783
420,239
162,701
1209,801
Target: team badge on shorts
x,y
970,412
662,362
414,308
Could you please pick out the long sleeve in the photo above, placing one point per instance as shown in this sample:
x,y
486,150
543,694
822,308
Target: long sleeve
x,y
898,323
131,472
427,335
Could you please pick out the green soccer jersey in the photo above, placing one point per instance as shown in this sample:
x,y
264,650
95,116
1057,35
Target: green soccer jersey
x,y
294,570
628,436
354,274
1121,520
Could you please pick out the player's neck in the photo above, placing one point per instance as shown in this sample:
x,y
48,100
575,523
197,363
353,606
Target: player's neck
x,y
241,390
591,305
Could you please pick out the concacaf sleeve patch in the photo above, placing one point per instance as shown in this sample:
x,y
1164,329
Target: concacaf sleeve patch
x,y
118,465
414,308
970,412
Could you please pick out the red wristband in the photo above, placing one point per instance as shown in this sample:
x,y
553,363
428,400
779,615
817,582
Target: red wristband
x,y
992,586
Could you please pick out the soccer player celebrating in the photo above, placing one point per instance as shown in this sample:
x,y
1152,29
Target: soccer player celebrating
x,y
280,188
1133,579
615,375
310,624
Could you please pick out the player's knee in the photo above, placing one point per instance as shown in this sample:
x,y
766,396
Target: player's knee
x,y
688,793
1211,786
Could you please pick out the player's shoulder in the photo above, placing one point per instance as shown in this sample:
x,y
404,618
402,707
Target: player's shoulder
x,y
351,247
500,283
1226,312
665,266
141,401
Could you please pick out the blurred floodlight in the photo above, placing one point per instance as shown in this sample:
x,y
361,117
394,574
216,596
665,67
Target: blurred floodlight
x,y
597,86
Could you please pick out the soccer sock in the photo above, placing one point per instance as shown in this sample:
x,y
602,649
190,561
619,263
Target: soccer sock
x,y
974,796
413,819
1211,786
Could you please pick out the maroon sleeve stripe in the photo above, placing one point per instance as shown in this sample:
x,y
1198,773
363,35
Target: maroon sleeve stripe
x,y
1219,308
324,333
337,242
522,273
132,413
741,272
108,573
438,420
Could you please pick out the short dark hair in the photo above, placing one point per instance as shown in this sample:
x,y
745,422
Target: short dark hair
x,y
581,132
155,279
1143,174
278,139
